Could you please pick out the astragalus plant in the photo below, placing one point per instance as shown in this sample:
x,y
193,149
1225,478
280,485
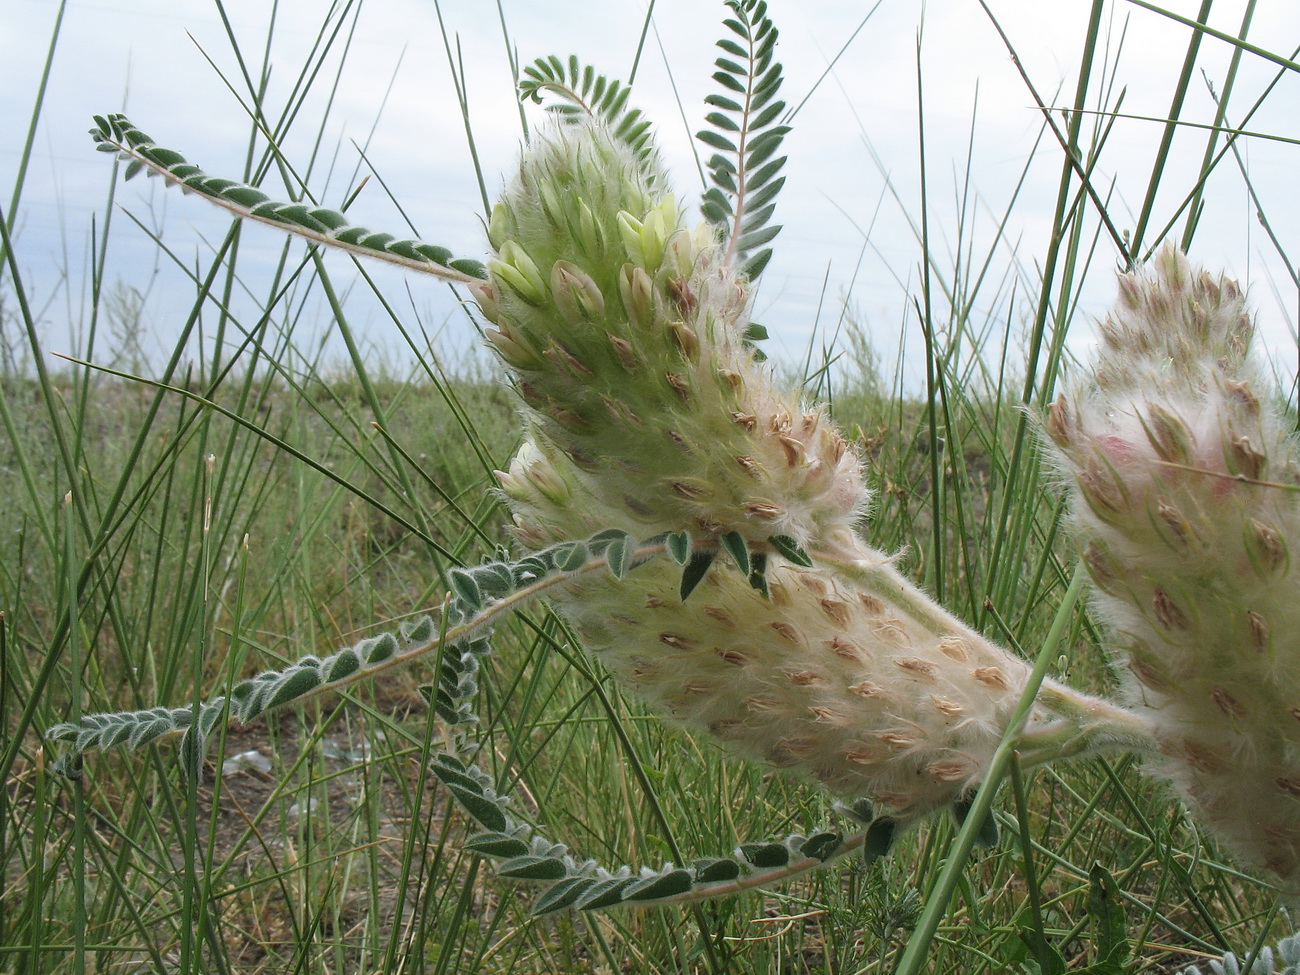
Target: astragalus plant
x,y
1183,479
694,520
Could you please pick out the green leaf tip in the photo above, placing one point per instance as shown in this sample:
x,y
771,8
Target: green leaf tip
x,y
695,571
603,893
1107,915
765,855
666,884
879,840
987,835
791,549
821,846
562,894
758,572
860,810
618,554
716,870
486,812
466,588
501,845
533,868
735,545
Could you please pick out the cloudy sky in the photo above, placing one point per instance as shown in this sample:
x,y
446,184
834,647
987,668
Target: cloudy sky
x,y
851,200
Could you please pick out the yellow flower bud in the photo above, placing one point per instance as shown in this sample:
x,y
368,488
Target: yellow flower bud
x,y
630,230
576,295
638,294
516,268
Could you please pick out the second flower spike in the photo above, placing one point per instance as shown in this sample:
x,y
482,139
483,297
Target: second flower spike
x,y
1185,484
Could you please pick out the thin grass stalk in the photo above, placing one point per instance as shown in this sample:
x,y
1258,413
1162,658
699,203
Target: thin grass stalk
x,y
1027,855
1068,140
1167,137
372,398
75,669
1238,42
1220,114
25,156
925,313
462,100
1263,219
37,886
1059,216
7,838
955,861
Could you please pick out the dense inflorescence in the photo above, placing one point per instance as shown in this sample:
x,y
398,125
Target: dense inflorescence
x,y
649,414
1185,485
626,337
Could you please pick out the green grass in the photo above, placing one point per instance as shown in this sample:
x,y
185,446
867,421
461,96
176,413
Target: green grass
x,y
154,548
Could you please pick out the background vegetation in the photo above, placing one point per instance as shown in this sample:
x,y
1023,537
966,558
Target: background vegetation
x,y
244,500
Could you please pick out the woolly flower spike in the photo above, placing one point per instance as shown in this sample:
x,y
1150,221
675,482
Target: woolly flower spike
x,y
624,333
1185,497
626,337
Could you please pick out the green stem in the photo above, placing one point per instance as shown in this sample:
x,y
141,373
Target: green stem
x,y
1090,723
937,905
1097,722
1031,879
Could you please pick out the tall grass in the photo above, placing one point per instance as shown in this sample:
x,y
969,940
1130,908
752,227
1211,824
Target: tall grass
x,y
245,500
